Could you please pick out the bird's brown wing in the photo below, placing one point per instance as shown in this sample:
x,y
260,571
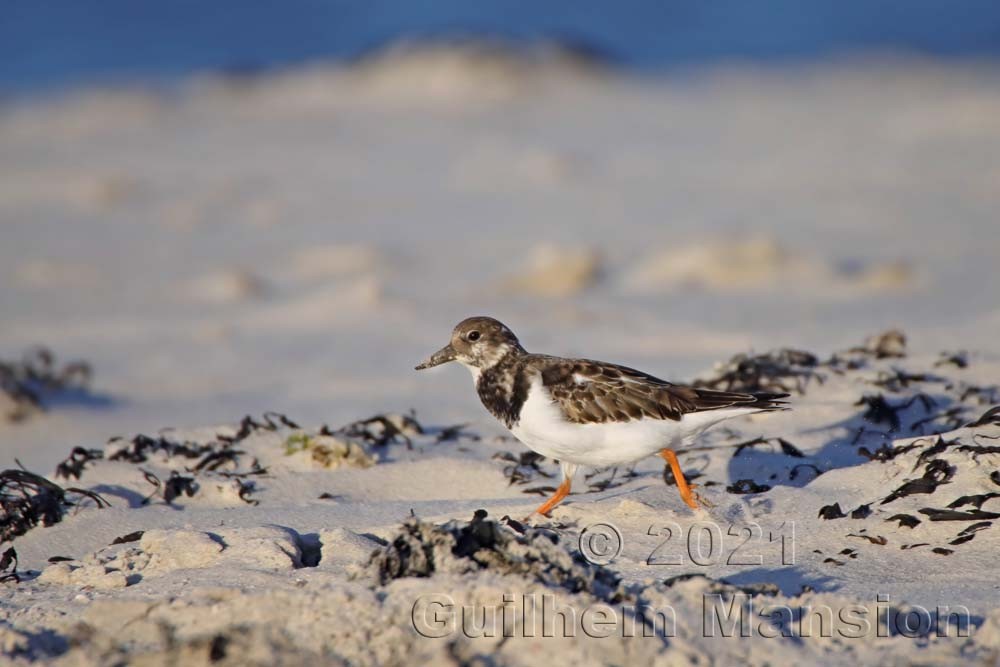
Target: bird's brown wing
x,y
595,391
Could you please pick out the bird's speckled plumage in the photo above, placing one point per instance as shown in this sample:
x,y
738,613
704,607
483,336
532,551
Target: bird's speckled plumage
x,y
586,391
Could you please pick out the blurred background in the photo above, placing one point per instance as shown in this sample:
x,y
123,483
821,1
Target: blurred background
x,y
51,44
231,207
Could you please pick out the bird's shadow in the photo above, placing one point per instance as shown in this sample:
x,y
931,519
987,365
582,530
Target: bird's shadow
x,y
133,499
78,397
866,431
790,581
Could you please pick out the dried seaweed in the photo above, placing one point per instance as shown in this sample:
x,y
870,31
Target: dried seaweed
x,y
898,379
881,411
380,430
175,486
540,490
787,448
831,512
141,447
958,359
953,515
421,549
861,512
990,417
745,486
979,450
270,421
524,467
794,472
8,561
942,551
984,395
215,459
28,383
455,432
878,539
27,500
886,452
613,481
936,473
514,524
243,490
130,537
784,370
937,448
907,520
211,457
73,465
975,528
953,418
975,501
969,532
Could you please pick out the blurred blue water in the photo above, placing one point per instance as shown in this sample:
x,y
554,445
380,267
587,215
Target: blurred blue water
x,y
53,43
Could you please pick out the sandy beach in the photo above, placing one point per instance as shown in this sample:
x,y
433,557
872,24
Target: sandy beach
x,y
251,266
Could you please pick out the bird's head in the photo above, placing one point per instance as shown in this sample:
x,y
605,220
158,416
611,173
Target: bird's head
x,y
476,342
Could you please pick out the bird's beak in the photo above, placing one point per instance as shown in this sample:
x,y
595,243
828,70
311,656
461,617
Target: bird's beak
x,y
442,356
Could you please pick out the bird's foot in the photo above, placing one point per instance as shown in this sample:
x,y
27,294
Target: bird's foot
x,y
693,499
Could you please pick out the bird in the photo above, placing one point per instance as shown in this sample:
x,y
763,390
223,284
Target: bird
x,y
589,413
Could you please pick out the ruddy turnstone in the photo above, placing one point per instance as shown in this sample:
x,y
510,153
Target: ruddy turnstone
x,y
584,412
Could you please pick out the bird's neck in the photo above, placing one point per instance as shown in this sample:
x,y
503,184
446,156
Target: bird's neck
x,y
503,386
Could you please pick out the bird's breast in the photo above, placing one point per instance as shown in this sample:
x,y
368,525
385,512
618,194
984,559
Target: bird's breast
x,y
503,390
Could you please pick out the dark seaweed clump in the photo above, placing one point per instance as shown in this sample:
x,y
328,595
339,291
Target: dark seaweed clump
x,y
220,457
73,465
938,461
173,487
603,480
745,486
784,370
524,468
831,512
8,561
29,383
936,473
787,448
383,430
27,500
422,549
790,370
990,417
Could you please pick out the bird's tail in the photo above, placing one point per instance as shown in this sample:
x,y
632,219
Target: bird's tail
x,y
769,402
710,399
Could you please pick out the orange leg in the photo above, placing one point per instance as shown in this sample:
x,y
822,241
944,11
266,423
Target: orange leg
x,y
556,498
687,495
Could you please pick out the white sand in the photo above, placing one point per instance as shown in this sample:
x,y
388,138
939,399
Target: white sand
x,y
298,242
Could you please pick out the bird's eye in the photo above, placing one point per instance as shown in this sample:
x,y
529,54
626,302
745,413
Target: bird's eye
x,y
473,336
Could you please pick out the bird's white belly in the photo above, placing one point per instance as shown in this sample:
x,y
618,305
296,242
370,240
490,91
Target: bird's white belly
x,y
543,429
